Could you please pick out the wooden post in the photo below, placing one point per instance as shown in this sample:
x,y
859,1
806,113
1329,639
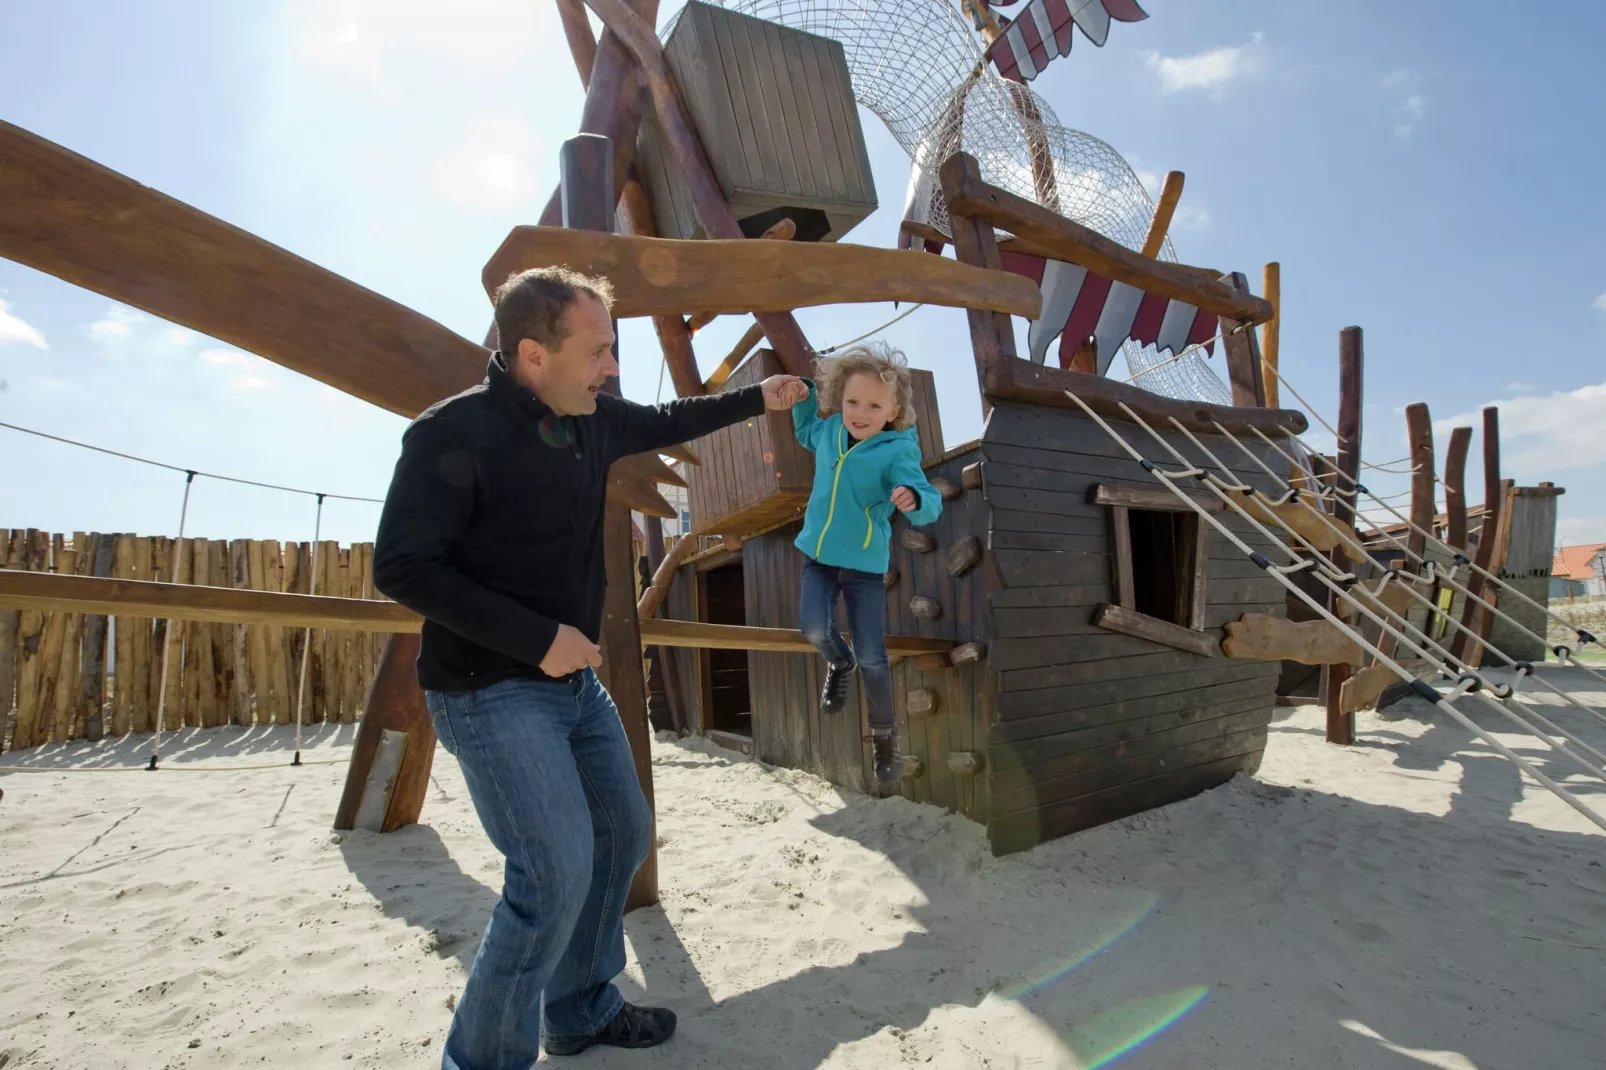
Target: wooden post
x,y
1419,432
1474,616
667,665
585,168
394,704
1455,494
1340,723
992,335
94,686
1164,209
708,202
1271,288
1243,355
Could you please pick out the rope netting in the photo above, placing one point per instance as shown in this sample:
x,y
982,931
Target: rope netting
x,y
917,65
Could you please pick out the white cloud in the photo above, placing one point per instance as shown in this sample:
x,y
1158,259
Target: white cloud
x,y
1522,388
1409,105
14,329
226,357
1543,434
181,336
1574,530
491,166
250,382
1210,70
1599,303
116,325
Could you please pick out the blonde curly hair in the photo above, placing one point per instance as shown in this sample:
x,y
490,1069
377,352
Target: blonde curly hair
x,y
867,358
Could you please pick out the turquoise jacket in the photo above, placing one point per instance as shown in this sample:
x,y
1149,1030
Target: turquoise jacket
x,y
848,522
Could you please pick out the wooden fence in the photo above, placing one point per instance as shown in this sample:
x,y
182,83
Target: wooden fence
x,y
71,676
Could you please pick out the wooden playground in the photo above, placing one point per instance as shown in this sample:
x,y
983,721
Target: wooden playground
x,y
1096,625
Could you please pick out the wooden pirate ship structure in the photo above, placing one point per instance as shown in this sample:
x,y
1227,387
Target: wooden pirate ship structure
x,y
1074,640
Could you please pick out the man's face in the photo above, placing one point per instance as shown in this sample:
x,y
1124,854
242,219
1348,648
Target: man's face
x,y
567,378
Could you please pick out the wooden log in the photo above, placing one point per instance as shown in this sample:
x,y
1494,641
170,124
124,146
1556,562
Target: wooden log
x,y
1473,616
665,277
964,555
241,711
1243,355
1351,383
1164,209
668,664
1362,690
781,230
945,488
282,704
122,670
1130,622
970,476
10,619
31,630
966,762
923,702
925,608
69,217
197,642
1455,481
324,684
1271,288
222,635
992,335
257,637
968,195
93,694
701,635
674,334
1036,384
52,640
654,595
1419,432
179,563
394,703
753,336
1260,637
964,653
352,681
142,705
917,541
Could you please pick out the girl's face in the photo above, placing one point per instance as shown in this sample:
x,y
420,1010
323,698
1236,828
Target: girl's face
x,y
868,405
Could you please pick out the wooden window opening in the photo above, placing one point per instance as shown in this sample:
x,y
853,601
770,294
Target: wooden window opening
x,y
1158,567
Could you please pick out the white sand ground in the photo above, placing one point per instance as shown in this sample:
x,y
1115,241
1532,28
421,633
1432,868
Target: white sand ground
x,y
1407,902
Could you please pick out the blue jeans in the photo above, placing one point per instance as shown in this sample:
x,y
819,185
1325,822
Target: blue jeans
x,y
550,772
866,596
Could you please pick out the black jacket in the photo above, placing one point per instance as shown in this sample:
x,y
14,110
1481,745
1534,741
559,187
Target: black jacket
x,y
492,529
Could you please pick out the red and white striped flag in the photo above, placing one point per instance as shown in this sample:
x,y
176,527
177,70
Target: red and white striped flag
x,y
1042,32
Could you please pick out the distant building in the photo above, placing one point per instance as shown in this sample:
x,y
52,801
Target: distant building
x,y
1579,571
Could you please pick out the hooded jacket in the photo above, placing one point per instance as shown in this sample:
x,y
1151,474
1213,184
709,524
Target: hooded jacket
x,y
848,522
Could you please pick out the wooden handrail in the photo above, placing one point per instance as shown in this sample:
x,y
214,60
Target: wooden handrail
x,y
663,576
969,195
692,633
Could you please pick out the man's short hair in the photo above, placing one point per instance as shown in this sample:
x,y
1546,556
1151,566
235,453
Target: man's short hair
x,y
531,304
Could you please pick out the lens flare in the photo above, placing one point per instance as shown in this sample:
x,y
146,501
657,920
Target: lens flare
x,y
1125,1028
555,431
1112,930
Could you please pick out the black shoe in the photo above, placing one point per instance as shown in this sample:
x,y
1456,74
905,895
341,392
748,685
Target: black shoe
x,y
887,761
835,692
632,1027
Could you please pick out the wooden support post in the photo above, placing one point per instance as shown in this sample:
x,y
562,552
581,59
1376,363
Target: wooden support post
x,y
585,168
1455,494
1474,616
708,202
394,704
1164,209
667,665
1419,432
1351,357
1271,288
992,335
744,346
1243,354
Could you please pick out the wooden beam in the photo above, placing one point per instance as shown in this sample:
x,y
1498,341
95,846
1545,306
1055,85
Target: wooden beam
x,y
1340,724
1455,487
967,194
992,336
708,203
394,704
1474,616
1419,433
1243,355
67,216
663,576
49,591
1260,637
1164,209
744,346
1157,498
1130,622
1300,519
662,276
781,230
1271,288
668,667
1021,380
697,634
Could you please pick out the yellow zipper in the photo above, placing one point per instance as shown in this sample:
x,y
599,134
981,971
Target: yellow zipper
x,y
841,462
869,527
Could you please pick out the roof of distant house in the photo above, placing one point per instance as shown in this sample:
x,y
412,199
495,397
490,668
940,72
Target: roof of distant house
x,y
1572,562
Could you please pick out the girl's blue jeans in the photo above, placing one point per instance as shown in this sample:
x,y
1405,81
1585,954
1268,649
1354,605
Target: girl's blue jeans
x,y
866,596
550,772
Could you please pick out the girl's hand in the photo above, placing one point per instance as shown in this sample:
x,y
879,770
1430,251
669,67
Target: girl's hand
x,y
904,499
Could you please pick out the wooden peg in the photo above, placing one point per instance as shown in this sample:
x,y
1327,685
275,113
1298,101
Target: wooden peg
x,y
970,476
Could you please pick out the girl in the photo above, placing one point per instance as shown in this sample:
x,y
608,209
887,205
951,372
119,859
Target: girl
x,y
866,464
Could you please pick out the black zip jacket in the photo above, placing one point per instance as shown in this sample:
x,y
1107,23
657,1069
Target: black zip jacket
x,y
492,529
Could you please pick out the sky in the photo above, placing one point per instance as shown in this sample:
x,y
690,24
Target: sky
x,y
1421,169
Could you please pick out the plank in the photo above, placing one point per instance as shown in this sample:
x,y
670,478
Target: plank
x,y
1008,654
1153,630
1241,351
1089,672
1034,568
95,632
1153,498
1313,642
1025,740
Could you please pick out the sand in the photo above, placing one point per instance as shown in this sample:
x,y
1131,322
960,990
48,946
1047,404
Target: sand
x,y
1406,902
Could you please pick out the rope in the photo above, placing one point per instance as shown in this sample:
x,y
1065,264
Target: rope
x,y
169,768
306,633
167,632
191,472
1175,357
1442,701
828,350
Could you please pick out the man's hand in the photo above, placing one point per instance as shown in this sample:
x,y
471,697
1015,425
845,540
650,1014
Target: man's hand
x,y
570,651
904,499
781,392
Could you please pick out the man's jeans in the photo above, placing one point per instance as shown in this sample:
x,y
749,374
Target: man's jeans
x,y
866,596
551,775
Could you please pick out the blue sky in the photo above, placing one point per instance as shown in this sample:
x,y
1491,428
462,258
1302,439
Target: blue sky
x,y
1421,169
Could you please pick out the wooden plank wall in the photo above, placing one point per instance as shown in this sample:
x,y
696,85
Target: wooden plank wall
x,y
1529,556
1094,725
67,676
775,107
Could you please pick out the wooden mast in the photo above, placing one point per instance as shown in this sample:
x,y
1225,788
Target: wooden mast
x,y
1340,724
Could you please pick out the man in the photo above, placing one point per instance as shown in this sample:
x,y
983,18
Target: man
x,y
492,531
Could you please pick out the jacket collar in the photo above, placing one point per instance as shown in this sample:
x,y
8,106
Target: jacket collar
x,y
501,384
